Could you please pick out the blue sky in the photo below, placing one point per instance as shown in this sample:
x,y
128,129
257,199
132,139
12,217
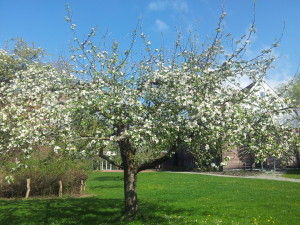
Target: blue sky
x,y
42,22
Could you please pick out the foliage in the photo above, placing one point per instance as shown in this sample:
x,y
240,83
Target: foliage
x,y
266,135
208,200
292,89
21,55
45,171
30,103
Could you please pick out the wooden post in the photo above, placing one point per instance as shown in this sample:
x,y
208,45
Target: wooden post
x,y
81,186
84,186
60,189
28,188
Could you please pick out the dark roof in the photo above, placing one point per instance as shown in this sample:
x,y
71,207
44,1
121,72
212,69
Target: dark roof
x,y
250,86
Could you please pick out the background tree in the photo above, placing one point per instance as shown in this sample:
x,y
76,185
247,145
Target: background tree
x,y
25,83
292,90
21,55
266,134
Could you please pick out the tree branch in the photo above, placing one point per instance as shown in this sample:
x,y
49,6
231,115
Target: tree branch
x,y
157,161
99,138
105,157
93,138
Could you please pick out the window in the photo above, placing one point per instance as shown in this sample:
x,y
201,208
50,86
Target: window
x,y
262,94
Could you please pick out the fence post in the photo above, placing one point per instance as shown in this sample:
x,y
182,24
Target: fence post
x,y
28,188
60,189
81,186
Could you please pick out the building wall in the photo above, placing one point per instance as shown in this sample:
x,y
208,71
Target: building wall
x,y
183,160
238,160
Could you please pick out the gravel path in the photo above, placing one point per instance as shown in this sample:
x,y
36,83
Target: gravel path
x,y
265,176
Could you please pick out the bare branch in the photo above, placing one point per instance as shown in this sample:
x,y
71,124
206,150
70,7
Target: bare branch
x,y
155,162
105,157
100,138
92,138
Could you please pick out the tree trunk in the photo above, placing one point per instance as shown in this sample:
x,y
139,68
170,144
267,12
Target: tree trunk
x,y
131,170
130,176
131,202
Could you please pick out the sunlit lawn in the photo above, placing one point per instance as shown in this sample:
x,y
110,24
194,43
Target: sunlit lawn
x,y
166,198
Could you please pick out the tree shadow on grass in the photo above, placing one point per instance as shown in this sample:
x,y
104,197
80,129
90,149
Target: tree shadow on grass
x,y
293,171
151,213
105,182
106,186
60,211
79,211
107,178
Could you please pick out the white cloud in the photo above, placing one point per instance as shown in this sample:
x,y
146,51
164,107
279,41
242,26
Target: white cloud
x,y
282,72
278,76
157,5
180,5
177,5
161,25
173,7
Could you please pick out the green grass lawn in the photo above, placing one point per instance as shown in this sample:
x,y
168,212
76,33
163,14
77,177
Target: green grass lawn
x,y
293,173
166,198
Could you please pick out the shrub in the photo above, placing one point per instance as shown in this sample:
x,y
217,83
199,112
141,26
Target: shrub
x,y
45,175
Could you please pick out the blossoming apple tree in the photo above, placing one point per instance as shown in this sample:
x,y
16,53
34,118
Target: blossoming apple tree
x,y
268,132
146,107
29,102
